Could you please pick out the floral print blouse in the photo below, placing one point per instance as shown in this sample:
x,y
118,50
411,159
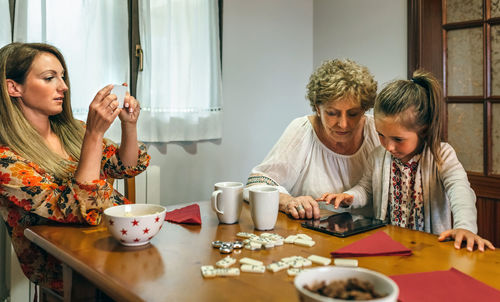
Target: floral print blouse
x,y
30,196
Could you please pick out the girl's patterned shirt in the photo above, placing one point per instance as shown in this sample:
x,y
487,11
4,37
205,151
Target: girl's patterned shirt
x,y
30,196
406,207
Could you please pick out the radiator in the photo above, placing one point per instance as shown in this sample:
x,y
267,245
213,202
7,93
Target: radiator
x,y
147,186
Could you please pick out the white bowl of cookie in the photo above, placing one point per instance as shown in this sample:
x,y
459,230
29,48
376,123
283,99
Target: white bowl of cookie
x,y
336,283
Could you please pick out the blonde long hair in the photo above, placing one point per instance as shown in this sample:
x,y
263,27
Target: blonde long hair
x,y
417,103
16,132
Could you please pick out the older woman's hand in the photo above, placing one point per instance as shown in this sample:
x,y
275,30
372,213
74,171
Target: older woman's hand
x,y
464,235
300,207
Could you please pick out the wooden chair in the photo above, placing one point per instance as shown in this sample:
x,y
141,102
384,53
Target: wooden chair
x,y
47,295
129,187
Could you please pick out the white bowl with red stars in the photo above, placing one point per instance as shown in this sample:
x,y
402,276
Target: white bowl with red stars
x,y
134,224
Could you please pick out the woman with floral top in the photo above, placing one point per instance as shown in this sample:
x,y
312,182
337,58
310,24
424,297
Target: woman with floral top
x,y
53,168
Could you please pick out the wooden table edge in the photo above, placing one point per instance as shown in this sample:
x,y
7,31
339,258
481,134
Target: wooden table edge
x,y
102,282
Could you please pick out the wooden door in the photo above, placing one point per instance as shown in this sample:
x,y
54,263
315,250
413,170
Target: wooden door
x,y
459,41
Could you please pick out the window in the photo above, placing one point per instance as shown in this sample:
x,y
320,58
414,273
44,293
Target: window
x,y
179,86
5,31
181,76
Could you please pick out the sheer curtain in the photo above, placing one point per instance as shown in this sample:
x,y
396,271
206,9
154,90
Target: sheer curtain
x,y
93,37
5,29
180,86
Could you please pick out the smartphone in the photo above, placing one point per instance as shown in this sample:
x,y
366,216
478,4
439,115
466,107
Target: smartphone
x,y
119,91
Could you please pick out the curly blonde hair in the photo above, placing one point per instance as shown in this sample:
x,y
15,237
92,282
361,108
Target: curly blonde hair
x,y
336,79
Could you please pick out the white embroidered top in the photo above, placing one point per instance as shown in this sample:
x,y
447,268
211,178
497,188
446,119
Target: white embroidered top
x,y
406,205
301,165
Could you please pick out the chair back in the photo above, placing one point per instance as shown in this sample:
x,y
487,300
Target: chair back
x,y
129,187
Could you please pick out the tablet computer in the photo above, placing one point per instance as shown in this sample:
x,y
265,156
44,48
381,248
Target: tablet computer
x,y
343,224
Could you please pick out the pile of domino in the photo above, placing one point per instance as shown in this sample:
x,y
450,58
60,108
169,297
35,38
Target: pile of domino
x,y
293,265
269,240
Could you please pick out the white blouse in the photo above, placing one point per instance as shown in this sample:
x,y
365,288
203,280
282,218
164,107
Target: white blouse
x,y
301,165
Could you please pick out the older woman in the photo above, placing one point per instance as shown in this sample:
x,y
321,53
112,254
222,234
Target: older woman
x,y
328,150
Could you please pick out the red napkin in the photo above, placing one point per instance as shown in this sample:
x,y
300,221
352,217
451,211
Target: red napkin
x,y
189,214
451,285
378,244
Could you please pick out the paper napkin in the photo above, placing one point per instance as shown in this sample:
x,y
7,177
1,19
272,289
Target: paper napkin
x,y
189,215
450,285
378,244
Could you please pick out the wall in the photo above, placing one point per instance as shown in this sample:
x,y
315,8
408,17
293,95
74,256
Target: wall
x,y
267,58
372,33
270,47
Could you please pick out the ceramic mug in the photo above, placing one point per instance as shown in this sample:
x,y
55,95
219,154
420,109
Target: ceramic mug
x,y
264,206
227,200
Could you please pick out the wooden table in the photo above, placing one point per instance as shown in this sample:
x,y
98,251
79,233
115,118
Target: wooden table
x,y
168,269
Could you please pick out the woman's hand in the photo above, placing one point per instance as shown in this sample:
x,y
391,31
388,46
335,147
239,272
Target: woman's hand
x,y
102,112
341,199
131,109
300,207
464,235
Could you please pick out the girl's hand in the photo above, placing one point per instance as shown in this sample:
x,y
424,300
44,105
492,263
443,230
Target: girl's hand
x,y
342,199
300,207
102,111
464,235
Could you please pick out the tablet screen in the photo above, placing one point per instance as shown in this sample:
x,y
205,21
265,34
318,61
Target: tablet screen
x,y
343,224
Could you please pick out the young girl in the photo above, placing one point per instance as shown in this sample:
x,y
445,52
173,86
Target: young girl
x,y
415,180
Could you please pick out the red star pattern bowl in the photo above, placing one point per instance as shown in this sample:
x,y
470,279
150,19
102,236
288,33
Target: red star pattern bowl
x,y
134,224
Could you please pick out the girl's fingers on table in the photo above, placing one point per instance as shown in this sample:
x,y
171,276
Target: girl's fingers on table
x,y
489,244
480,244
444,235
458,240
471,240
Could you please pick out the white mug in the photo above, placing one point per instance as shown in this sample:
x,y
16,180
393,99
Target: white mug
x,y
227,200
264,206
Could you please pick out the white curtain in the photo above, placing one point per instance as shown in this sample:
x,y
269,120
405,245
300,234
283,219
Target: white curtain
x,y
180,87
5,29
93,37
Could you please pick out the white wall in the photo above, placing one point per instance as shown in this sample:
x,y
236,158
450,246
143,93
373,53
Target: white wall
x,y
270,47
372,33
267,59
